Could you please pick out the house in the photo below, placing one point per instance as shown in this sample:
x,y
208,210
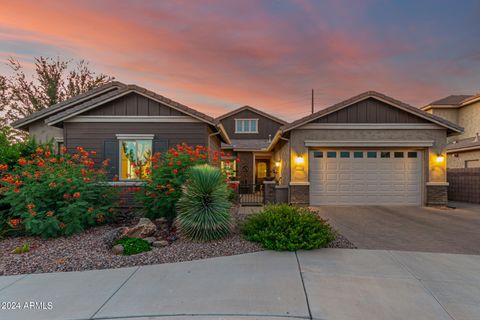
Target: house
x,y
368,150
123,123
463,150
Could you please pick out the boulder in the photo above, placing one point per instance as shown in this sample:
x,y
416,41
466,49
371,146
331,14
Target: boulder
x,y
150,239
159,244
117,249
144,229
161,220
112,236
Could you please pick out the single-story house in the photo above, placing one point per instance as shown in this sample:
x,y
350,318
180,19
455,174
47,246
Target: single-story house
x,y
368,150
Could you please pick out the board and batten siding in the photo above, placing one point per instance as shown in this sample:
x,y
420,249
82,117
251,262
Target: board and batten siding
x,y
266,126
95,136
370,111
133,104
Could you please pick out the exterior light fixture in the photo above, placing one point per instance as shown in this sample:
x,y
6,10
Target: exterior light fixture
x,y
440,158
299,160
277,164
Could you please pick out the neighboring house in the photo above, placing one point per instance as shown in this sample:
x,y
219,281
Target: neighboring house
x,y
251,132
463,150
368,150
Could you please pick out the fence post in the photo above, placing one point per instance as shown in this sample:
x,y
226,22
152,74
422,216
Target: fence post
x,y
269,192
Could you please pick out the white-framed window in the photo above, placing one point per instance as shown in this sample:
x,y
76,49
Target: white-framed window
x,y
135,156
246,125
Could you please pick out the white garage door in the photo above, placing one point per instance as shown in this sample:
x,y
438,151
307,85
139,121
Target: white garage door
x,y
365,177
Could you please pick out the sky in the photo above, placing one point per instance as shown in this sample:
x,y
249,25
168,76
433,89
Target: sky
x,y
216,56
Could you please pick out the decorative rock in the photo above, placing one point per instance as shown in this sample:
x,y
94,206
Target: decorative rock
x,y
117,249
144,229
112,236
159,244
150,240
161,220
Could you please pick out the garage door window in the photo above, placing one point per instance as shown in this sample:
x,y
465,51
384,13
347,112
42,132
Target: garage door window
x,y
398,154
344,154
385,154
371,154
358,154
318,154
412,154
331,154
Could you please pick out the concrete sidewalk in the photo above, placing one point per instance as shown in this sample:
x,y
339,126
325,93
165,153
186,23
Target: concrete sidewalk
x,y
321,284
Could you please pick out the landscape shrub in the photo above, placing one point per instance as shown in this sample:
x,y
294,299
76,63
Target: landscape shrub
x,y
204,208
134,245
283,227
169,172
10,151
54,195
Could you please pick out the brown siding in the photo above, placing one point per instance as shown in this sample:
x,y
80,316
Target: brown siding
x,y
370,111
266,126
92,136
133,104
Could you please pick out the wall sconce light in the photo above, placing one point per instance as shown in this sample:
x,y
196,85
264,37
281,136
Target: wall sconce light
x,y
439,158
299,160
277,164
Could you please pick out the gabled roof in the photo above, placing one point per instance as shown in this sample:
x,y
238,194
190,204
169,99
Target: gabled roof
x,y
255,110
127,89
101,90
379,96
452,99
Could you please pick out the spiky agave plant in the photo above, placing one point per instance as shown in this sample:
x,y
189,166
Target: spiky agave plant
x,y
203,211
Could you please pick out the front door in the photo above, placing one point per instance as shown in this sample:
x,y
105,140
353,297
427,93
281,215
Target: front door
x,y
262,170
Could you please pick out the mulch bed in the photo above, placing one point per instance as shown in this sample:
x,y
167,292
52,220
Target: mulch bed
x,y
87,251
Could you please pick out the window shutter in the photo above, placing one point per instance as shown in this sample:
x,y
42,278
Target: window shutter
x,y
111,152
160,145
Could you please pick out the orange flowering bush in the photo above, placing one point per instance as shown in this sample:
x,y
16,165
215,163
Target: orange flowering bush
x,y
54,195
168,174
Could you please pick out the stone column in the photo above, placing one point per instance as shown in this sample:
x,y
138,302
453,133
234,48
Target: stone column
x,y
437,194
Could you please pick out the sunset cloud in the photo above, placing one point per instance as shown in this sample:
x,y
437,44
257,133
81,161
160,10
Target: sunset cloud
x,y
216,55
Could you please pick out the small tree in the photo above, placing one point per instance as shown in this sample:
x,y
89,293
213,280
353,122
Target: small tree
x,y
53,81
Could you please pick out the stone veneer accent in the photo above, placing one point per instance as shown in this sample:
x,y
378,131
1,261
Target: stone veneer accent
x,y
300,194
437,195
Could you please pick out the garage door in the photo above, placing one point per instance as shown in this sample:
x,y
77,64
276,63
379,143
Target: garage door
x,y
365,177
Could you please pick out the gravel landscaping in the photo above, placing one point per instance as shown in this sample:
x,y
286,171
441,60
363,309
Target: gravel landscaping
x,y
87,251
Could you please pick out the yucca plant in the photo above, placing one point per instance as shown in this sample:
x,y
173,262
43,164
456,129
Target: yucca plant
x,y
203,209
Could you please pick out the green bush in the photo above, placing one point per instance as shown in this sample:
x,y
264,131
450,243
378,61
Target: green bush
x,y
10,152
204,209
134,246
283,227
54,195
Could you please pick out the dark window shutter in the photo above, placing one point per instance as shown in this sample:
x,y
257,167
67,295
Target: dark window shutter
x,y
160,145
111,152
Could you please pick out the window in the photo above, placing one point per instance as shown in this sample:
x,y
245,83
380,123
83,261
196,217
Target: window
x,y
358,154
398,154
385,154
412,154
344,154
371,154
318,154
135,162
331,154
246,125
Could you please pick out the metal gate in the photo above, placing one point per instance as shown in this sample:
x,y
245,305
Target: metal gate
x,y
251,194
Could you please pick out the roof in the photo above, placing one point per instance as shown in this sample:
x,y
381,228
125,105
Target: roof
x,y
379,96
464,144
451,100
238,110
88,105
248,144
103,89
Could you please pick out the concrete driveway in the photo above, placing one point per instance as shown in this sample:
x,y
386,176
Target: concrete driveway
x,y
408,228
322,284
